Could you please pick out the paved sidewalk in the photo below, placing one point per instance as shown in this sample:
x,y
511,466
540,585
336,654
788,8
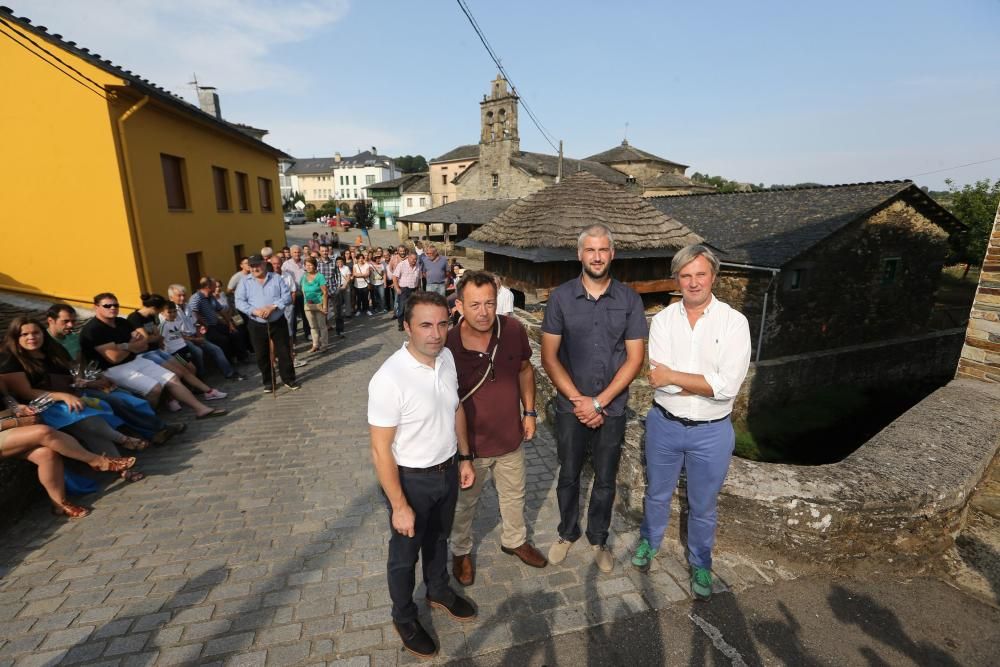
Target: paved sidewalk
x,y
260,539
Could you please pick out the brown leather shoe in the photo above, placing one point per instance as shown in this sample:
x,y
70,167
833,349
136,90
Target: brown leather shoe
x,y
463,569
528,554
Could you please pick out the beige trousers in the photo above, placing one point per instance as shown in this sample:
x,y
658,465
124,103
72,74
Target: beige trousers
x,y
509,478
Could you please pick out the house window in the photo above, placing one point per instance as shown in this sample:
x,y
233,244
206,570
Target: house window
x,y
409,201
220,179
355,191
890,270
423,201
243,191
444,179
444,199
238,254
355,180
341,180
264,191
195,266
496,180
796,278
369,179
173,182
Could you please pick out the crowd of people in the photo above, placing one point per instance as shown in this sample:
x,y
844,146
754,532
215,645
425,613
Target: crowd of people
x,y
456,402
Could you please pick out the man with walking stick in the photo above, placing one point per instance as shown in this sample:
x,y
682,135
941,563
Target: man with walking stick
x,y
265,296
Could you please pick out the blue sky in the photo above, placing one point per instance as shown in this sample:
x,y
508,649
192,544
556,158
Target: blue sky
x,y
774,92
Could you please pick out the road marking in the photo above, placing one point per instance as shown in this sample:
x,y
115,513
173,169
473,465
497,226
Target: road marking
x,y
717,641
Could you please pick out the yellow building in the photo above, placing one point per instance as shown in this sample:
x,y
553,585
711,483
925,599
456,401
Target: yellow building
x,y
110,183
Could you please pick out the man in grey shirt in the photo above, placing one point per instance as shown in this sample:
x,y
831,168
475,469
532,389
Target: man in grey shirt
x,y
592,348
435,270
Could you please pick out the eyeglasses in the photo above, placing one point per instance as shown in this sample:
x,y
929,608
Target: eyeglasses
x,y
109,306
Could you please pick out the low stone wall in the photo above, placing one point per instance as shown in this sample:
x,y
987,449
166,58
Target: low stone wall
x,y
901,496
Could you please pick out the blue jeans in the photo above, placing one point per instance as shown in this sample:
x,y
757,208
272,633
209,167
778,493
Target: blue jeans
x,y
215,352
378,297
704,451
157,356
437,288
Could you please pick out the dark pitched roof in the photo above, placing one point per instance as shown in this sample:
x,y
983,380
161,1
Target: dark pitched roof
x,y
466,152
422,184
313,165
544,226
629,153
134,81
773,227
464,212
363,159
540,164
402,182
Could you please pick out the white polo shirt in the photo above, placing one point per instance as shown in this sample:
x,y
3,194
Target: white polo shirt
x,y
718,347
420,402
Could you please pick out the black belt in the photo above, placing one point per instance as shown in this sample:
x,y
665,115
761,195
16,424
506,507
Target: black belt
x,y
444,465
686,422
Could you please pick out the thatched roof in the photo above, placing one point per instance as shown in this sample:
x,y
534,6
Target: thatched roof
x,y
544,226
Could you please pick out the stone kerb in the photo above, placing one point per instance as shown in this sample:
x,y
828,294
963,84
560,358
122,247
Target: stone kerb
x,y
981,352
901,496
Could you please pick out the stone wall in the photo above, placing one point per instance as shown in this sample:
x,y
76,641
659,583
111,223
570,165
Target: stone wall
x,y
981,353
514,183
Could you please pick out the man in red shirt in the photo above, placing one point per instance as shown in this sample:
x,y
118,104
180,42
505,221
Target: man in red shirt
x,y
495,379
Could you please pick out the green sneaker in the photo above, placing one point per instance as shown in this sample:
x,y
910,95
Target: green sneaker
x,y
701,583
644,555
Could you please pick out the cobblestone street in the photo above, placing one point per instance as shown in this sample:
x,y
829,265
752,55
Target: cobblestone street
x,y
260,539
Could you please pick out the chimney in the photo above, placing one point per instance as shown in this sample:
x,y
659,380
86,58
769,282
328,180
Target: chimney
x,y
336,157
208,100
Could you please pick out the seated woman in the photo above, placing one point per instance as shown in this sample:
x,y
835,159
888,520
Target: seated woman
x,y
34,365
23,436
146,320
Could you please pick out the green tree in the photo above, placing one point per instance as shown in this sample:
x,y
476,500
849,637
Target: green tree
x,y
976,206
411,164
288,203
364,214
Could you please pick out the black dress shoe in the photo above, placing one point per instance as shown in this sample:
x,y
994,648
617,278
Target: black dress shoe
x,y
459,608
415,639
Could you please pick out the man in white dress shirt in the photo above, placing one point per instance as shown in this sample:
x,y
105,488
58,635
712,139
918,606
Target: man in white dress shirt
x,y
699,353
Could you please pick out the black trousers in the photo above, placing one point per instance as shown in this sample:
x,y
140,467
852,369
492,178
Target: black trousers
x,y
336,303
404,295
299,313
432,495
282,349
573,440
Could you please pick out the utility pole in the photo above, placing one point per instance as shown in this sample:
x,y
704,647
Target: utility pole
x,y
559,167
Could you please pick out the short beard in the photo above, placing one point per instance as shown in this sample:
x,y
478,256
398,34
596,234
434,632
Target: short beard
x,y
596,276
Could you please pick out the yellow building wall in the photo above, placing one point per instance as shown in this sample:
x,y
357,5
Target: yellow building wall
x,y
62,207
169,236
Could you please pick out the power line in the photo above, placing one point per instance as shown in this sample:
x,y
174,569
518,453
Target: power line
x,y
496,60
957,166
100,92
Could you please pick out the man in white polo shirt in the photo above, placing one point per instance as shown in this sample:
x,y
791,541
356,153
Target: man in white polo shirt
x,y
699,353
417,424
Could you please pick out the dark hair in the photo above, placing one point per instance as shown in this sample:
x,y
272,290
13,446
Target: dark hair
x,y
310,260
170,306
152,301
50,347
421,298
56,308
104,295
477,278
206,281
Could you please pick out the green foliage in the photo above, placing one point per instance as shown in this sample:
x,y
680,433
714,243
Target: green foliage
x,y
329,207
976,206
723,184
411,164
364,214
288,203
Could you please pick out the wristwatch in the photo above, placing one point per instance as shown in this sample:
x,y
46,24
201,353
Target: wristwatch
x,y
530,413
466,457
598,408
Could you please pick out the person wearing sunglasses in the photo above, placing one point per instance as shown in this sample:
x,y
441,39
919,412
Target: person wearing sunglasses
x,y
495,378
114,345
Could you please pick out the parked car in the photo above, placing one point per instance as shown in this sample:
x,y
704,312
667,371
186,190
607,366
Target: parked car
x,y
295,218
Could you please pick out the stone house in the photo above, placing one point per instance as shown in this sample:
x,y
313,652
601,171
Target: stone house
x,y
533,243
656,176
824,267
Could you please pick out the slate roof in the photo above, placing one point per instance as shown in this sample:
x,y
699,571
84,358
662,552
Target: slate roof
x,y
313,165
466,152
629,153
402,182
463,212
677,181
422,184
544,226
134,81
772,228
540,164
363,159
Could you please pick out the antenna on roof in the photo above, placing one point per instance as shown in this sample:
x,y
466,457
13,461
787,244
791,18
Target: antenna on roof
x,y
625,138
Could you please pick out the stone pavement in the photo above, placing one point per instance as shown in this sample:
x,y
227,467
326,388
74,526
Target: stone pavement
x,y
260,539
